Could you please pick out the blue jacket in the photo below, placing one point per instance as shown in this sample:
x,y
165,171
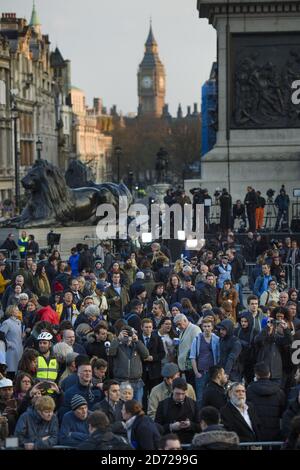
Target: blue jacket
x,y
215,345
259,284
74,261
73,431
92,395
223,275
32,428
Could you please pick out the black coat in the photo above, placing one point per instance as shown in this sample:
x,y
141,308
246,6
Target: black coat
x,y
157,351
234,421
208,295
169,412
104,440
112,414
292,410
214,395
144,434
270,350
230,348
96,348
269,401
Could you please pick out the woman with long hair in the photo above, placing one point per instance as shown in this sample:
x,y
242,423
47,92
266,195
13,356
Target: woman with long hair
x,y
229,293
30,316
189,311
23,383
294,297
43,281
167,335
174,290
160,294
29,362
142,432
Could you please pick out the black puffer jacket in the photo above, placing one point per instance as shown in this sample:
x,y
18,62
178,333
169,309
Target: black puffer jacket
x,y
269,349
230,348
269,402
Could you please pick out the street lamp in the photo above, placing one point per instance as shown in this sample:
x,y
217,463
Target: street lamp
x,y
39,148
15,117
118,152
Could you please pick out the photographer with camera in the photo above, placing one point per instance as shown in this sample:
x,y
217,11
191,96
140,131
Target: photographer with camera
x,y
282,203
225,205
128,353
269,345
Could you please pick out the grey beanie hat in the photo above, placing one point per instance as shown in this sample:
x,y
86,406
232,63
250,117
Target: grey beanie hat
x,y
77,400
169,369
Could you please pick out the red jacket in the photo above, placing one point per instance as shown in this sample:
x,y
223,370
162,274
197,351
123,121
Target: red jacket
x,y
49,315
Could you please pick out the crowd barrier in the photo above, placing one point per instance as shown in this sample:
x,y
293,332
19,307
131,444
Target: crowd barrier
x,y
292,274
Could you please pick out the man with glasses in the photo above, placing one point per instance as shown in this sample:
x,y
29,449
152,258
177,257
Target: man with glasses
x,y
240,417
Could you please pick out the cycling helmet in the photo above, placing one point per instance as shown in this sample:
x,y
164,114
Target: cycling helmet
x,y
45,335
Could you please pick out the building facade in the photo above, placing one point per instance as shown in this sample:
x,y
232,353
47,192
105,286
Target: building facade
x,y
30,98
90,144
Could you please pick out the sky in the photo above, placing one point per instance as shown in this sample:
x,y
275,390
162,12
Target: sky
x,y
104,40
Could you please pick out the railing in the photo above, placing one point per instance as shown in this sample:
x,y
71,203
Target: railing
x,y
269,445
292,274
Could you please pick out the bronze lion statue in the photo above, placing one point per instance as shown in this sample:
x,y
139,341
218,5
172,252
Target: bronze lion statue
x,y
52,202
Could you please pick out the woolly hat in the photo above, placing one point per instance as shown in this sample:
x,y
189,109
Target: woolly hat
x,y
169,369
177,305
77,401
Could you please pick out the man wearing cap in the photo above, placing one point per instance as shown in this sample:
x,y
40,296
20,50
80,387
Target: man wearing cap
x,y
7,410
47,364
160,392
139,279
74,427
224,271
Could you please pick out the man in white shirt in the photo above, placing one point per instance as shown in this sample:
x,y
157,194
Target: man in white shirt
x,y
240,417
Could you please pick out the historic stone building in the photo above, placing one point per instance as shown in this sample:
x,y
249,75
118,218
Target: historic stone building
x,y
31,98
90,144
151,80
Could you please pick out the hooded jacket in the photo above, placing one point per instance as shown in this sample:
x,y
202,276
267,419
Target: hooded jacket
x,y
31,427
216,440
230,348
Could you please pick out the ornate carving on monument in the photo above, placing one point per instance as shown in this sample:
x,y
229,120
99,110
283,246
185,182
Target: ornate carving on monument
x,y
263,69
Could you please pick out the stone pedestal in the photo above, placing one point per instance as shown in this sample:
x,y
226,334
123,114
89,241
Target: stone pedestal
x,y
158,191
258,138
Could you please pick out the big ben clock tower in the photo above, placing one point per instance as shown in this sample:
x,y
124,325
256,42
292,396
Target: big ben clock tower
x,y
151,80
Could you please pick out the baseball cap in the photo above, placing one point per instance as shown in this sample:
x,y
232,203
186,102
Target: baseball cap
x,y
5,383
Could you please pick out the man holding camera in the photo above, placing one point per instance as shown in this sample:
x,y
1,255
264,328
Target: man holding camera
x,y
128,354
269,343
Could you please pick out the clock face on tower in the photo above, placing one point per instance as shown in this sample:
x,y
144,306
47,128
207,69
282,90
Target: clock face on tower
x,y
147,82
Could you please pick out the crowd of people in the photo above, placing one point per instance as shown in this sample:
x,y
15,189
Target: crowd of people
x,y
141,351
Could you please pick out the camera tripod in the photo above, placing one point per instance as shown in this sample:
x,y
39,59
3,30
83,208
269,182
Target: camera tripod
x,y
271,213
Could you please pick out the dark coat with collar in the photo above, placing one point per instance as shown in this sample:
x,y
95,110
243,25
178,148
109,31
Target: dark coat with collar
x,y
169,412
234,421
157,351
144,434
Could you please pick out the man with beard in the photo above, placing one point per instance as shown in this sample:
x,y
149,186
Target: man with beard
x,y
240,417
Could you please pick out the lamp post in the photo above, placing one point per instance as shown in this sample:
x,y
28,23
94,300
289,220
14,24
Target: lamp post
x,y
39,148
118,152
15,117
